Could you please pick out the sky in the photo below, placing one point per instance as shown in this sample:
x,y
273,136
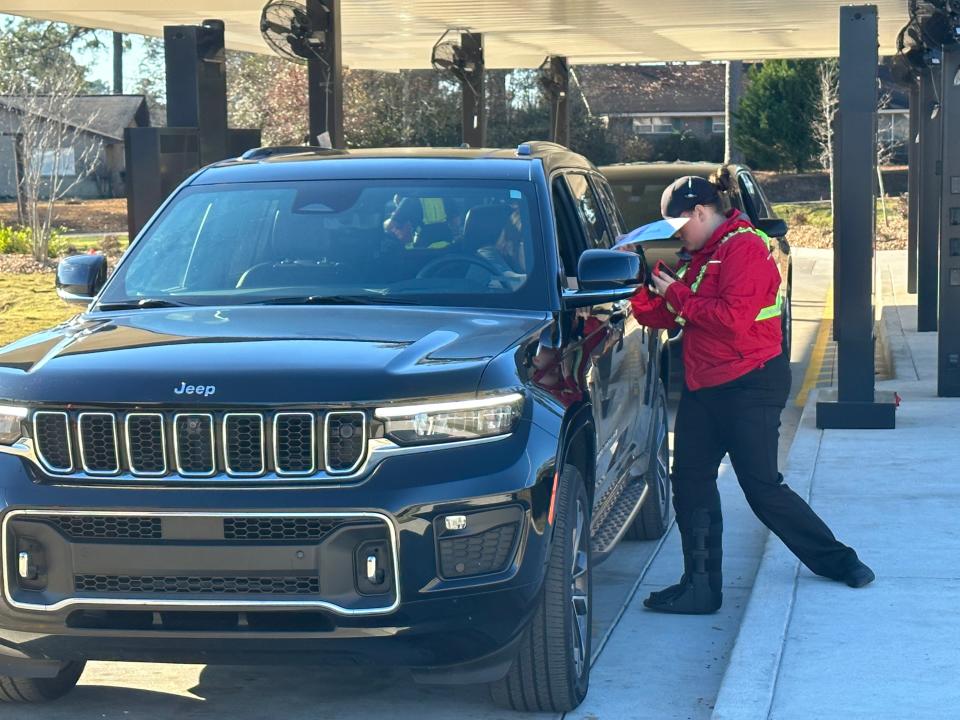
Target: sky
x,y
100,62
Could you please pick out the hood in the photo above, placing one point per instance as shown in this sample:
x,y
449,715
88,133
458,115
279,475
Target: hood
x,y
260,355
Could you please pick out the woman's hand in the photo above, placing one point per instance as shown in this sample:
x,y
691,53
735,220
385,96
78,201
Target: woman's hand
x,y
661,283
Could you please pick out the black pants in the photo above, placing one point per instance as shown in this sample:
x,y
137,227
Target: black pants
x,y
742,418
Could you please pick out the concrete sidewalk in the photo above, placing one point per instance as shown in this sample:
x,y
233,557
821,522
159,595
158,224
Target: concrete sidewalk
x,y
811,648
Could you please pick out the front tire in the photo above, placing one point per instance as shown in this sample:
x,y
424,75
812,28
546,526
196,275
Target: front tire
x,y
786,324
551,672
38,690
654,517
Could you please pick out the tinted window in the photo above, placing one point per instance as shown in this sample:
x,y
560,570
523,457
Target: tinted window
x,y
459,243
570,239
590,211
639,201
610,204
753,199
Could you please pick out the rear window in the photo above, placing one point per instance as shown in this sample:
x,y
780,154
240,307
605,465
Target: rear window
x,y
638,200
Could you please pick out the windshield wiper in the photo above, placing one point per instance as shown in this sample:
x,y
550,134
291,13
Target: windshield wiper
x,y
334,300
142,303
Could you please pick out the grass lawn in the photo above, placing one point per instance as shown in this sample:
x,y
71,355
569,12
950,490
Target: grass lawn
x,y
818,213
29,303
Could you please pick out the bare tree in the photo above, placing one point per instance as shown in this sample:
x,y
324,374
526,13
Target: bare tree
x,y
57,151
887,148
828,98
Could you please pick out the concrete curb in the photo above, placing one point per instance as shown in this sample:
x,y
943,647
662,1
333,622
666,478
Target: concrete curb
x,y
748,685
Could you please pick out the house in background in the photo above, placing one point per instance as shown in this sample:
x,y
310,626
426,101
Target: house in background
x,y
656,100
98,120
677,111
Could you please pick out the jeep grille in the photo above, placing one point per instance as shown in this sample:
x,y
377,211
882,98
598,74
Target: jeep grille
x,y
200,444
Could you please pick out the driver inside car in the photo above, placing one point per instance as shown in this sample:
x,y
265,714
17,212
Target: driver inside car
x,y
505,254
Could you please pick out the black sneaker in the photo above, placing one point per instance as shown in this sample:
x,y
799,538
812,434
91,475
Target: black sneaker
x,y
858,575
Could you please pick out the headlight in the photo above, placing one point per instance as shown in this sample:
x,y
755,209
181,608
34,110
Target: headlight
x,y
11,419
452,421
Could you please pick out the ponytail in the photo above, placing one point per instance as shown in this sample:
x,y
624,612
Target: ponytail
x,y
726,184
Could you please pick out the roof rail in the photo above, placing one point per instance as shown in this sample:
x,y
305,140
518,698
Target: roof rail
x,y
266,152
539,146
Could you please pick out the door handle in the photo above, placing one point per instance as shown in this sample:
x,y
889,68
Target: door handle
x,y
620,310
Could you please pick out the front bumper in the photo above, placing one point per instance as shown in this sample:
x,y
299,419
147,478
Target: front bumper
x,y
422,615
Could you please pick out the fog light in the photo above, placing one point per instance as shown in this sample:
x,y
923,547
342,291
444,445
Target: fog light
x,y
373,567
455,522
31,564
27,572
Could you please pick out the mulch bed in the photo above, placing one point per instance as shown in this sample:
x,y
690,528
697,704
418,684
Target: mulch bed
x,y
86,216
25,265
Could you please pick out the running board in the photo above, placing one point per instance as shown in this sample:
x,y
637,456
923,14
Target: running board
x,y
615,524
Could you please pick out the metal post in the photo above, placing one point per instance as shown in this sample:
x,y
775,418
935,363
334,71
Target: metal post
x,y
928,213
913,185
474,105
560,107
948,353
118,63
325,78
853,404
734,90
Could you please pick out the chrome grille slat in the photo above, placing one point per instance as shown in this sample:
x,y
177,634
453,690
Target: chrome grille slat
x,y
99,451
194,446
342,452
51,434
146,444
294,443
243,447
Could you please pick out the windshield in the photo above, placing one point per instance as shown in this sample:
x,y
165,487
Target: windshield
x,y
452,243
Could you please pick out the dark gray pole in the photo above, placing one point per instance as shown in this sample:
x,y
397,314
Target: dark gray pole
x,y
118,63
197,84
325,78
474,105
560,107
734,90
855,157
928,214
913,185
948,354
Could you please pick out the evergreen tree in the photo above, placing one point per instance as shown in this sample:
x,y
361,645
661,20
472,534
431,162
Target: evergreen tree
x,y
774,122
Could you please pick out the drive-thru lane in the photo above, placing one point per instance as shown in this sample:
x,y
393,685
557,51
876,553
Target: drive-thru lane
x,y
673,663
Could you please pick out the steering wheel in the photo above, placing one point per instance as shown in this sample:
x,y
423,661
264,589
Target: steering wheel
x,y
427,270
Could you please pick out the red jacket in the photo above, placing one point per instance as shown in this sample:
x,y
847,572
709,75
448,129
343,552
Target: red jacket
x,y
722,339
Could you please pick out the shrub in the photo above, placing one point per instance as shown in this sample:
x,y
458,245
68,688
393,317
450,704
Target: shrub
x,y
15,240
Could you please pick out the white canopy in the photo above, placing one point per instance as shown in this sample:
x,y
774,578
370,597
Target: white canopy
x,y
388,35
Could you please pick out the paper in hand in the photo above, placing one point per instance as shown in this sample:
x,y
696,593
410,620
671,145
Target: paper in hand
x,y
659,230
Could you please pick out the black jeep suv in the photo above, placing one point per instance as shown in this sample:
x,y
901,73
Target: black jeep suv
x,y
384,406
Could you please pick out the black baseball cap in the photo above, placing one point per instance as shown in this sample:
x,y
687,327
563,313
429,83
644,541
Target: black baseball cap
x,y
685,194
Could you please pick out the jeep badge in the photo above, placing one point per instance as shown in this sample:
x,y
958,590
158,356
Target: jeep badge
x,y
205,390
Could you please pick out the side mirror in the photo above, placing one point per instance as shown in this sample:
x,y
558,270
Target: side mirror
x,y
81,277
609,270
605,276
774,227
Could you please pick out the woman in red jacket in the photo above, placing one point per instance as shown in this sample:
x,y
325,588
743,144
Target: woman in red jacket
x,y
736,384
